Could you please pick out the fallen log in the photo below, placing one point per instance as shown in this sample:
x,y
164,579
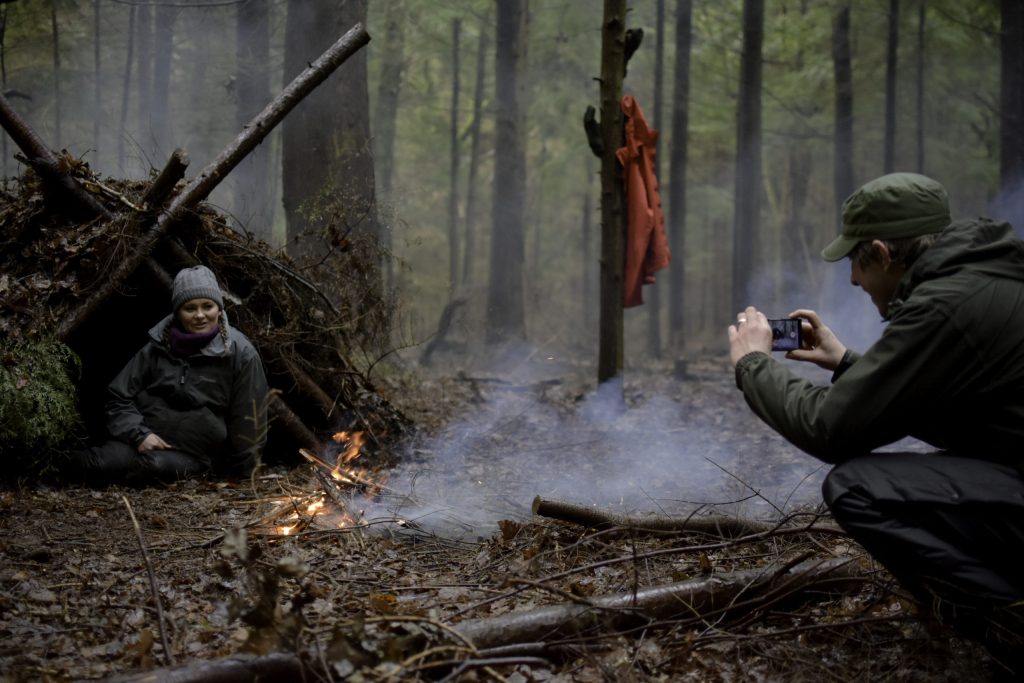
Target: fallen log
x,y
695,599
200,187
716,525
277,667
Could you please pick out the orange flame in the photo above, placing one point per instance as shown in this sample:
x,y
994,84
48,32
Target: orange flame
x,y
341,471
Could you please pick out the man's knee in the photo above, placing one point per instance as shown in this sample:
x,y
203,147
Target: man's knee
x,y
844,478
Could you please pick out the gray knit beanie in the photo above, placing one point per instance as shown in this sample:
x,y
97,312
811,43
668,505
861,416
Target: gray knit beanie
x,y
197,282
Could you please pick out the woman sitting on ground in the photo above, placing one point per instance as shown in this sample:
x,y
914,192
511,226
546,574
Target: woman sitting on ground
x,y
191,401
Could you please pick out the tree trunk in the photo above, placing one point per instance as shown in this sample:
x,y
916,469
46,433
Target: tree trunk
x,y
843,143
677,175
920,84
328,164
506,317
163,43
613,216
306,136
3,81
389,87
747,243
654,302
469,247
842,173
97,79
122,128
144,88
56,74
588,276
891,61
1011,110
253,200
453,168
353,171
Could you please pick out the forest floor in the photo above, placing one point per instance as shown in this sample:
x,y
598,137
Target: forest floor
x,y
371,581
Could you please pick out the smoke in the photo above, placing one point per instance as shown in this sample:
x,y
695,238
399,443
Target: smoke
x,y
691,446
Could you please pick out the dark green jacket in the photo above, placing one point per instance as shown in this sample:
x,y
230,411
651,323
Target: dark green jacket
x,y
949,368
212,404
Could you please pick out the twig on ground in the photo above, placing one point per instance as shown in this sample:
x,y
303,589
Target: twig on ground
x,y
168,655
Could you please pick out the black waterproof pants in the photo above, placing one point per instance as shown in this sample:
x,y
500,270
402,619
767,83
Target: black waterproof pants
x,y
950,529
117,462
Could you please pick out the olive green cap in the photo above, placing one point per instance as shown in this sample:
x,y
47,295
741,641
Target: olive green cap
x,y
891,207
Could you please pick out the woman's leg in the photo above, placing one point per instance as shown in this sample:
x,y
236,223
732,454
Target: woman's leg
x,y
116,462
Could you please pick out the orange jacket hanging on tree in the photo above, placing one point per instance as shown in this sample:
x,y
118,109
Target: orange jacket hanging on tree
x,y
646,245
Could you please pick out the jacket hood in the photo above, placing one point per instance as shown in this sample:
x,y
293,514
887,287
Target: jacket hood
x,y
216,346
981,246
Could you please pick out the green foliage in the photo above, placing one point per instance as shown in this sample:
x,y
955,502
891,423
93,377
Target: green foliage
x,y
38,397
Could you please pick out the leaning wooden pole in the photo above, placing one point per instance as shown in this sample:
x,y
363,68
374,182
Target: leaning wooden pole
x,y
200,187
76,201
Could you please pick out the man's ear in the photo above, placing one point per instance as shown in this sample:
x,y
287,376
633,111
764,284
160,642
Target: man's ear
x,y
881,253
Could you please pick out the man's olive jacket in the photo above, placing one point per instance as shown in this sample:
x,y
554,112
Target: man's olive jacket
x,y
949,368
211,404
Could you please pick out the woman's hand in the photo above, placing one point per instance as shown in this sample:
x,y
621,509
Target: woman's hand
x,y
750,333
152,442
818,344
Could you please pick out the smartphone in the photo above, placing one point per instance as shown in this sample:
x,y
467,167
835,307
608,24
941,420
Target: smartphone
x,y
785,334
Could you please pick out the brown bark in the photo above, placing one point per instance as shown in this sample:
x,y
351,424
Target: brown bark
x,y
78,203
277,667
611,342
718,525
748,240
161,188
695,599
201,186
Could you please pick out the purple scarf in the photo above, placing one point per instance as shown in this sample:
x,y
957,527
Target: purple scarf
x,y
186,343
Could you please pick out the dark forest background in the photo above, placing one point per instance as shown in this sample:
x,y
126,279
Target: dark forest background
x,y
455,138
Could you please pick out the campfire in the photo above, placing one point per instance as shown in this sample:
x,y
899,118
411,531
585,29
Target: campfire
x,y
345,483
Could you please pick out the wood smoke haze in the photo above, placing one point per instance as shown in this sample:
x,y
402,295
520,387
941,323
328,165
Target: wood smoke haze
x,y
657,457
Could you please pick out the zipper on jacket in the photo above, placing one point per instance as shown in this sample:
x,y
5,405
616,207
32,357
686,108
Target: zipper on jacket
x,y
184,374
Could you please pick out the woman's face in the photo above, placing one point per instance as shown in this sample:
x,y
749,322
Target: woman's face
x,y
199,315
